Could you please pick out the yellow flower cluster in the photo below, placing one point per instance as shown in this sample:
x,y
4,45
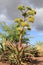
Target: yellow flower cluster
x,y
18,20
24,24
28,7
19,29
31,19
21,7
31,12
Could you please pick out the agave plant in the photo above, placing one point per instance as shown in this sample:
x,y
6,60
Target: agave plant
x,y
16,36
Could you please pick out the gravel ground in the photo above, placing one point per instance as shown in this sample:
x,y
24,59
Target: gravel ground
x,y
37,61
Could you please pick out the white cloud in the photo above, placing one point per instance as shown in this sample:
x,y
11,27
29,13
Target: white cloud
x,y
36,3
8,7
3,17
38,24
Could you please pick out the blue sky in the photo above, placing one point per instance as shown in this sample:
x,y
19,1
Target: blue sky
x,y
8,12
37,36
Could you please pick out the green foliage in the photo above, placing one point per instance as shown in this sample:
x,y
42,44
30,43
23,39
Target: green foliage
x,y
10,32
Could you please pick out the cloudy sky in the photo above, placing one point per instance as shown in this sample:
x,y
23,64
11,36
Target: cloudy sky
x,y
8,11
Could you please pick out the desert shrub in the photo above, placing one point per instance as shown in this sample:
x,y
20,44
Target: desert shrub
x,y
39,46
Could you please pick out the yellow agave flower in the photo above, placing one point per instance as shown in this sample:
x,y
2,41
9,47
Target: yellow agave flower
x,y
21,7
21,20
19,29
18,20
31,12
24,24
31,19
28,7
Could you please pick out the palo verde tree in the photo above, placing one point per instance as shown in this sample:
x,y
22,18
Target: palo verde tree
x,y
22,25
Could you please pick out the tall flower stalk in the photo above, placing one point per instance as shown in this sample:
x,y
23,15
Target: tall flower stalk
x,y
23,25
